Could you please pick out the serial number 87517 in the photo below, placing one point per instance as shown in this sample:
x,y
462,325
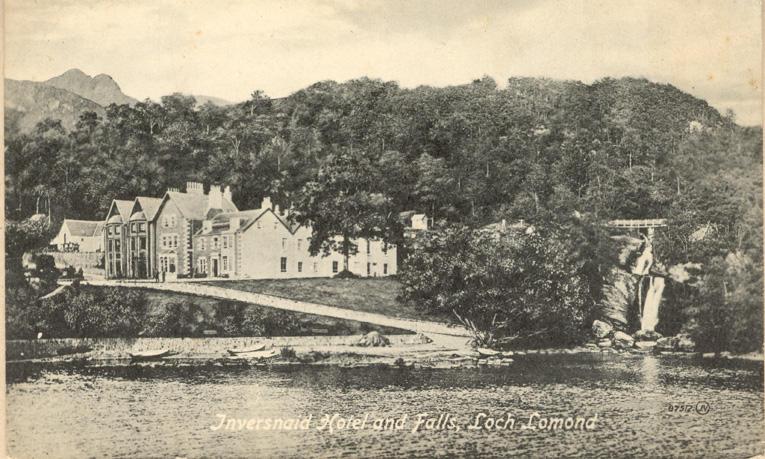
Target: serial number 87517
x,y
698,408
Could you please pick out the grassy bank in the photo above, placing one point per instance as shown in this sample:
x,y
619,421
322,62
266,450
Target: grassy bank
x,y
376,295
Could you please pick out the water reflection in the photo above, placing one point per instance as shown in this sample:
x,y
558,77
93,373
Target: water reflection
x,y
168,411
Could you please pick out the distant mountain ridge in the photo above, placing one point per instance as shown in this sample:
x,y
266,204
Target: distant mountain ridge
x,y
101,88
29,102
217,101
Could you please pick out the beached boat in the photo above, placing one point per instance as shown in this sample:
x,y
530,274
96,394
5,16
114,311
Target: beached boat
x,y
150,355
256,348
258,354
486,352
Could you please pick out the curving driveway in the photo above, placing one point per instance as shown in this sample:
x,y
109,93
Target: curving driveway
x,y
190,288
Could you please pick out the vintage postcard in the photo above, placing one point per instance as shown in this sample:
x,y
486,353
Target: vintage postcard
x,y
367,228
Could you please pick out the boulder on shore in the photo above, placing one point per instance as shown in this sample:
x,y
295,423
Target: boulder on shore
x,y
646,335
623,340
601,329
604,343
685,343
682,342
373,339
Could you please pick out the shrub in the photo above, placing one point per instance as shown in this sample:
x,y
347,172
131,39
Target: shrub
x,y
177,320
346,274
239,319
287,353
506,286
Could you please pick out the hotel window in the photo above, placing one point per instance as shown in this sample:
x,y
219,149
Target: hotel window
x,y
284,264
111,245
385,268
259,224
215,243
142,227
117,245
315,266
284,243
225,242
165,221
132,243
300,266
143,243
299,244
368,248
117,230
276,225
172,221
201,243
109,230
133,227
225,263
175,241
385,247
334,266
369,268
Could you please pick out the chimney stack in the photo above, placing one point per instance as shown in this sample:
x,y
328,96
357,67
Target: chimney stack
x,y
227,193
265,203
214,198
206,226
194,188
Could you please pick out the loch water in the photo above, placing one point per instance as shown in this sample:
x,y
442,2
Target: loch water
x,y
640,406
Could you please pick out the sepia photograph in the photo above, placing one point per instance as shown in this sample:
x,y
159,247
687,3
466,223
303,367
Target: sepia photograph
x,y
383,228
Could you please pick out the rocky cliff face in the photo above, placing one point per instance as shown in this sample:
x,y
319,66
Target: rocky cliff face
x,y
28,102
620,290
101,89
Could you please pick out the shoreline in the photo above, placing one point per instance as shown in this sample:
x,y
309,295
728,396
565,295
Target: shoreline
x,y
401,354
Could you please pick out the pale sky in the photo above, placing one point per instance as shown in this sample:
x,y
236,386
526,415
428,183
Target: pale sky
x,y
709,48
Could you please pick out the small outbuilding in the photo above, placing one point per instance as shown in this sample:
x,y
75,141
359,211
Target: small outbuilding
x,y
79,236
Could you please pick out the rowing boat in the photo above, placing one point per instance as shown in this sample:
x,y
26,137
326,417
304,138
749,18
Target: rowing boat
x,y
486,352
150,355
257,348
258,354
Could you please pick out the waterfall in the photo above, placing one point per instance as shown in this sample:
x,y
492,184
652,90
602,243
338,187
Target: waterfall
x,y
651,307
645,260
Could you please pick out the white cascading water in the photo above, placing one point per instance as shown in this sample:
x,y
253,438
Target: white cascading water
x,y
651,306
645,260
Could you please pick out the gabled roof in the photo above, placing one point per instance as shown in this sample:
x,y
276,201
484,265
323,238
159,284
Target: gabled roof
x,y
283,220
120,207
150,206
124,207
194,206
82,228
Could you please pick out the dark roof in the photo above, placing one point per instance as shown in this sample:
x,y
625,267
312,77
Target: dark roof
x,y
82,227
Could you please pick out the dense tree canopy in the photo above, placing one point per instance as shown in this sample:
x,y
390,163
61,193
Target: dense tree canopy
x,y
465,155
